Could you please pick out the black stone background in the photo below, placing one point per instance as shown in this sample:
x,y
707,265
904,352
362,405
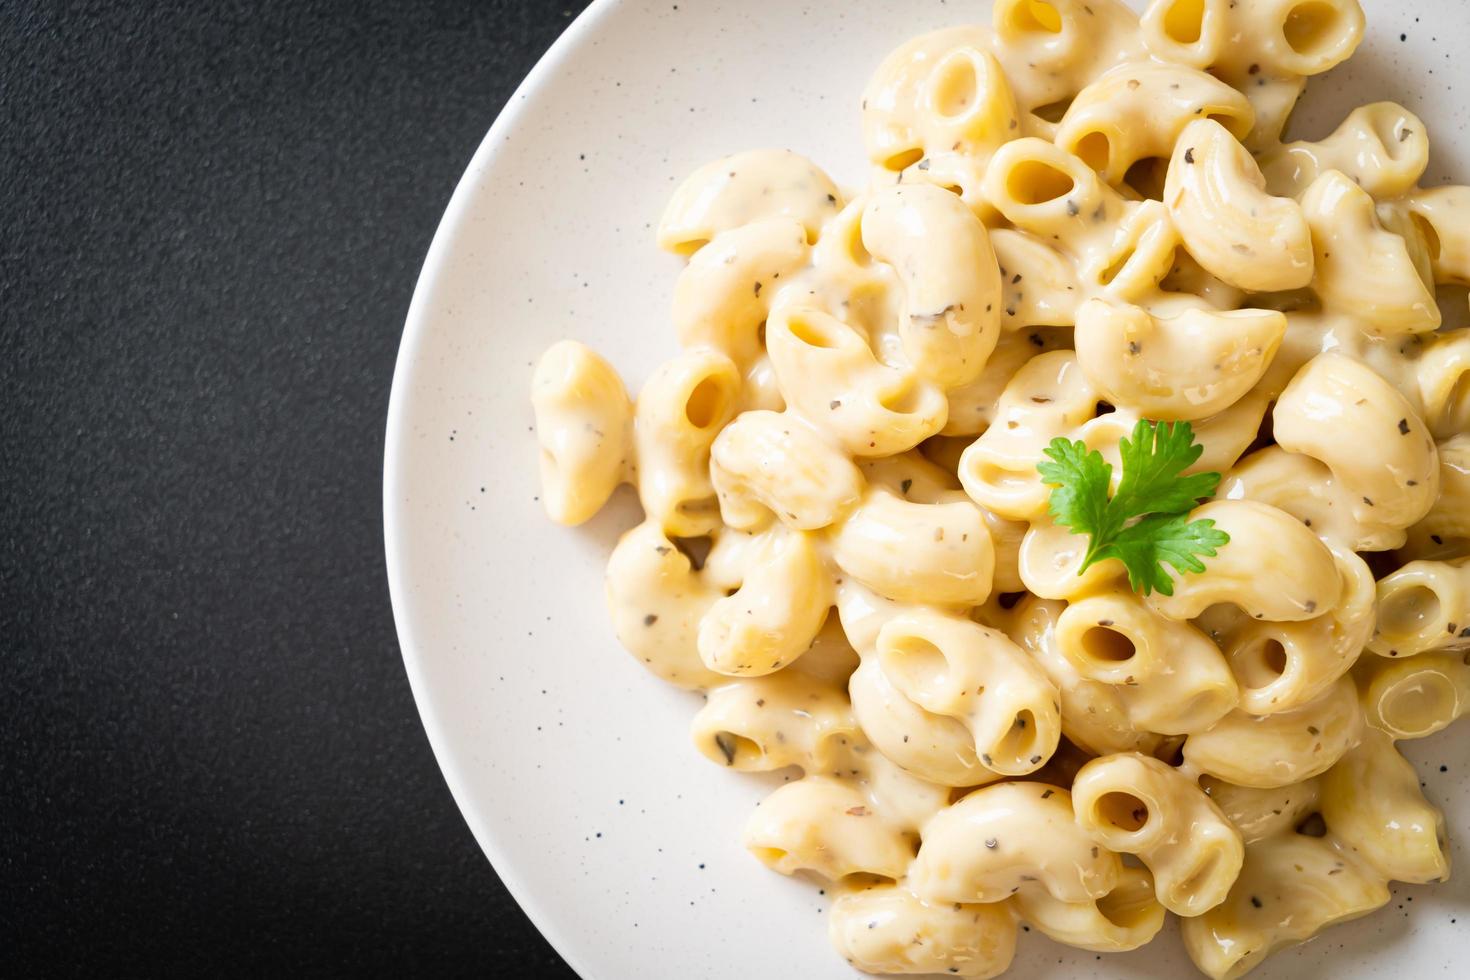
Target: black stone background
x,y
212,216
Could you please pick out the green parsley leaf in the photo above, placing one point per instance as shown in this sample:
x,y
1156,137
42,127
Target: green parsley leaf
x,y
1144,525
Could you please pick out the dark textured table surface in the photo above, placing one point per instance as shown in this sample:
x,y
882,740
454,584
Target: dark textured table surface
x,y
214,214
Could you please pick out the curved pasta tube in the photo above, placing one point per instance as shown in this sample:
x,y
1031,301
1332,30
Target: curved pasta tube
x,y
682,407
1423,606
1137,111
1047,46
942,257
1216,196
959,669
1330,407
1362,270
1281,666
717,302
1371,799
933,747
1228,434
1439,213
1006,537
935,553
1268,909
1267,751
1049,559
1306,489
886,929
1382,148
911,476
1444,532
1127,917
1038,286
768,723
1185,367
1134,804
1417,697
1273,567
656,602
1094,716
583,426
1049,396
829,375
738,190
942,91
774,616
1261,813
1187,32
1000,838
1044,190
825,826
1443,373
765,462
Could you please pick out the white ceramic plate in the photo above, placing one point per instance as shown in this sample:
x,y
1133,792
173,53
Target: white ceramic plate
x,y
572,766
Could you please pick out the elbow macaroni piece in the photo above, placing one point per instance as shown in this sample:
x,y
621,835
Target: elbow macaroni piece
x,y
1330,407
886,929
1267,751
768,723
775,615
1362,270
682,407
1439,216
941,255
1274,568
1125,918
738,190
1382,148
766,463
1417,697
583,423
1423,606
1006,837
1185,367
1133,804
1444,532
912,552
958,669
1306,489
828,827
1230,225
1443,373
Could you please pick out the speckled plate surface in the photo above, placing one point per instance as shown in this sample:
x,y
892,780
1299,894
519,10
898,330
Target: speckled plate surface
x,y
572,766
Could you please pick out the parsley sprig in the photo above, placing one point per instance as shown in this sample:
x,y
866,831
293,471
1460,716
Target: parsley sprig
x,y
1145,524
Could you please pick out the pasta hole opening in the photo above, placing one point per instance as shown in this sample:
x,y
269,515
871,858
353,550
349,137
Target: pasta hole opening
x,y
1053,112
1019,744
769,856
906,399
1120,811
903,160
1033,182
708,403
1200,875
1146,177
1426,231
1184,21
1171,752
1410,610
1035,17
689,246
811,333
1115,268
1128,906
695,549
1094,149
1312,825
737,750
956,86
1107,646
954,189
1236,122
1421,703
917,667
1315,28
1103,408
1260,664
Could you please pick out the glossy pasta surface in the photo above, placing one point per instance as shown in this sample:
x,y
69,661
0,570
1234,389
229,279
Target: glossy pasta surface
x,y
1077,219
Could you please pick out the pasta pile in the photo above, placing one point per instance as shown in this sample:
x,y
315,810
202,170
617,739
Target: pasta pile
x,y
1078,218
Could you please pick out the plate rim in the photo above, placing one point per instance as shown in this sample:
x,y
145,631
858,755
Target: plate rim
x,y
417,324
